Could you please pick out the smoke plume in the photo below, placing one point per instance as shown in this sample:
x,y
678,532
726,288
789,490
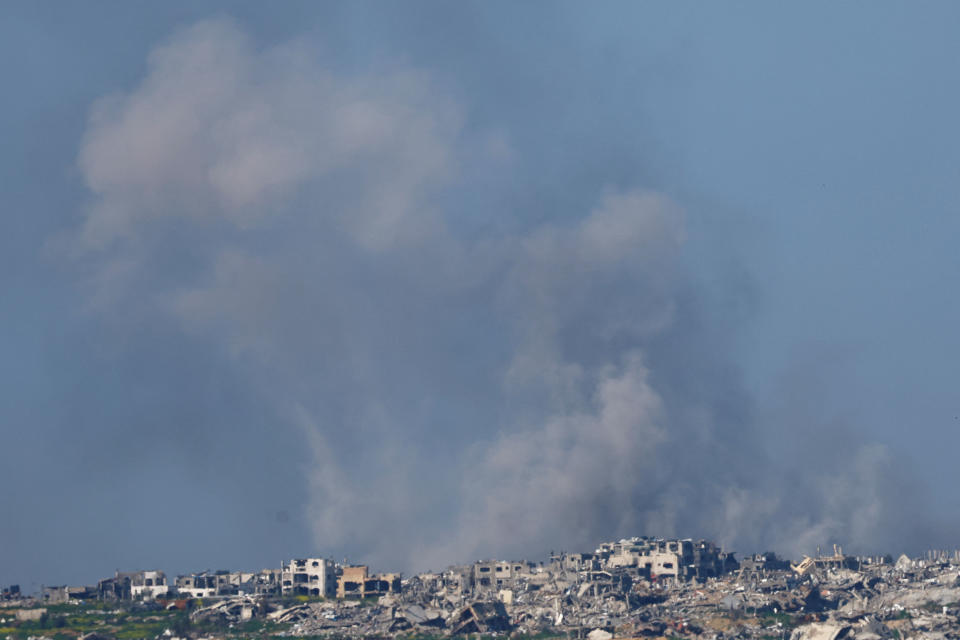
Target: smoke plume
x,y
459,390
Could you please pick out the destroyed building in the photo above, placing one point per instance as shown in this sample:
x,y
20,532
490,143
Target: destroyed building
x,y
480,617
613,592
357,582
115,588
145,585
226,583
64,593
577,561
663,558
762,563
263,582
197,585
495,573
309,577
821,562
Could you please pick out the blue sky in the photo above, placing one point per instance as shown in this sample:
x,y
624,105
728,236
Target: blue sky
x,y
296,279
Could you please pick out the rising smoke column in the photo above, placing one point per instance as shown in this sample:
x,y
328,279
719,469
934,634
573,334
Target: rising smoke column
x,y
458,394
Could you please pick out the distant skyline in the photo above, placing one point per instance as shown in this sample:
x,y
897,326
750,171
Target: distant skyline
x,y
425,282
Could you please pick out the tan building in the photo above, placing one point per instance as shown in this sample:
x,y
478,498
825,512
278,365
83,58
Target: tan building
x,y
500,573
661,558
357,582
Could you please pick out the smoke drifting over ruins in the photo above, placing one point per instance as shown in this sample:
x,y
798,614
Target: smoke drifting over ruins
x,y
406,285
462,392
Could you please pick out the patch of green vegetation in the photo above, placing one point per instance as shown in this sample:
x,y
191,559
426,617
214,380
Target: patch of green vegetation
x,y
61,608
137,631
146,621
770,619
127,621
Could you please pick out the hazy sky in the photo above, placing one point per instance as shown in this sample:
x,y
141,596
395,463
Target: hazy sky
x,y
417,283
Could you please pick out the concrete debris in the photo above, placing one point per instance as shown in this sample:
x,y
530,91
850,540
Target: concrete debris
x,y
31,614
820,631
835,598
633,588
232,609
481,617
599,634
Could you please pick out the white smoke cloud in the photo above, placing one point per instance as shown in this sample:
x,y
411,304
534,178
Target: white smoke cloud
x,y
458,396
536,482
222,132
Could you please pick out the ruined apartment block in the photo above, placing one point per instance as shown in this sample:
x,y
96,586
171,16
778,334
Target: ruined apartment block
x,y
309,577
197,585
144,585
229,583
613,566
357,582
500,573
147,585
659,558
63,593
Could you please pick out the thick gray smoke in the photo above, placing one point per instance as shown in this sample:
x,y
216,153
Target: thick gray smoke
x,y
458,392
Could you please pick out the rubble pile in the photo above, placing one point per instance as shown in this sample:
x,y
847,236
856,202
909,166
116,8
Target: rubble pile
x,y
874,601
632,588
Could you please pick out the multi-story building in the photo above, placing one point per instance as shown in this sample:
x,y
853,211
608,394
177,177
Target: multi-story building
x,y
665,558
197,585
264,582
65,593
309,577
357,582
575,562
148,585
499,573
125,585
229,583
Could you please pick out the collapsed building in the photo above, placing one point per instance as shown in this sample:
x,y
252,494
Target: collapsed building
x,y
133,584
840,561
624,589
761,563
497,574
199,585
11,592
147,585
65,593
660,558
312,577
587,596
208,584
358,582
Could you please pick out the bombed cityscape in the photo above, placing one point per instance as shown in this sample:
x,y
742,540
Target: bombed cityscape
x,y
450,319
638,587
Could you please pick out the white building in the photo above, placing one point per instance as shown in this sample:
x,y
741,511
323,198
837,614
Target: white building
x,y
148,584
309,577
